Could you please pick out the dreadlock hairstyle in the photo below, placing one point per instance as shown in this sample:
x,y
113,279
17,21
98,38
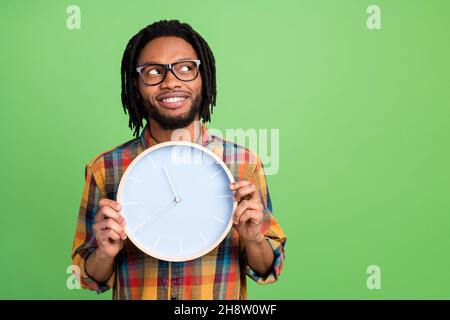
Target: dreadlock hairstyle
x,y
130,92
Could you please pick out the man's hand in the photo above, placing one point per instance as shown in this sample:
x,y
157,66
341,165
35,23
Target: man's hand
x,y
248,219
109,229
248,216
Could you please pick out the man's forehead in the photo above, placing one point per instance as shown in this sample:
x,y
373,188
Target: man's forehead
x,y
167,50
165,61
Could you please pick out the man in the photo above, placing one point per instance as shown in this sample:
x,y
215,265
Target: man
x,y
172,99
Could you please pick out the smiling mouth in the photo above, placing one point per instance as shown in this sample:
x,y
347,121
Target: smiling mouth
x,y
173,102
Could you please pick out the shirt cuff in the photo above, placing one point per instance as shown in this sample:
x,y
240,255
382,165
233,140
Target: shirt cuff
x,y
88,282
272,276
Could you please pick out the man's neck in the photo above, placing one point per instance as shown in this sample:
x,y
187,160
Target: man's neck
x,y
188,133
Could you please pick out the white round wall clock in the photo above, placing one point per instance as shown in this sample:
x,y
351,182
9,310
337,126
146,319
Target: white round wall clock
x,y
176,201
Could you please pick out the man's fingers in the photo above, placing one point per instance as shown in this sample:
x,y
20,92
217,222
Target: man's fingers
x,y
239,211
110,203
110,224
107,212
113,225
108,235
243,206
253,215
244,191
239,184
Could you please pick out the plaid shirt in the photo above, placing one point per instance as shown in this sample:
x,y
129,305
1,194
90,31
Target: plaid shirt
x,y
220,274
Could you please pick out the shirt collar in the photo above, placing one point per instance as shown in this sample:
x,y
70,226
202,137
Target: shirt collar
x,y
147,140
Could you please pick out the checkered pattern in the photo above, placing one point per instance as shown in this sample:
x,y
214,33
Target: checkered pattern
x,y
220,274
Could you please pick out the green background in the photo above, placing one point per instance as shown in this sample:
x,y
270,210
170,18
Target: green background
x,y
364,126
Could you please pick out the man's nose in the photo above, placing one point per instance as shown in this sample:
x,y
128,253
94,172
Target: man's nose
x,y
170,80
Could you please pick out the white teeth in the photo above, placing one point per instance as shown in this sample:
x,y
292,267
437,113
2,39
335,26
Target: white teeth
x,y
172,100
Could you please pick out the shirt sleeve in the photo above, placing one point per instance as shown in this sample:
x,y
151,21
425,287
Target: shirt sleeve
x,y
272,231
84,242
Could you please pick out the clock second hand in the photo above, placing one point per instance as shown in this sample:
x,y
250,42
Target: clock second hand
x,y
145,225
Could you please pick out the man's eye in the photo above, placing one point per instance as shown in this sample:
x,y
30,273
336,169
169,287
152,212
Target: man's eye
x,y
153,71
184,68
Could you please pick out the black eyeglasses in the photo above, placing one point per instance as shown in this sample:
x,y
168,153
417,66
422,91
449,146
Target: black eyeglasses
x,y
155,73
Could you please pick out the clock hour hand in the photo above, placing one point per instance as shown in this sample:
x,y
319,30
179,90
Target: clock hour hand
x,y
144,225
170,182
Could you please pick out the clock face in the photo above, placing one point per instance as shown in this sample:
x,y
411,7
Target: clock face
x,y
176,201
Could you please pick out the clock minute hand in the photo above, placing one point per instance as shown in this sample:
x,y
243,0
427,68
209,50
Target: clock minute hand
x,y
170,182
145,225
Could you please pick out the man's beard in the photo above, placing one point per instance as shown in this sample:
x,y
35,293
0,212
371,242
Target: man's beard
x,y
172,123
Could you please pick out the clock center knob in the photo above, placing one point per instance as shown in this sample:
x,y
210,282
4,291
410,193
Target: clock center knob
x,y
177,199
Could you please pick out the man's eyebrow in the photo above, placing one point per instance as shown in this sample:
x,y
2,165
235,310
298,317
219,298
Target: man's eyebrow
x,y
181,59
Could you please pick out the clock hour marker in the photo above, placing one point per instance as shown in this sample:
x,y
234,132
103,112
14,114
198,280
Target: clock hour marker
x,y
135,179
139,226
204,239
151,161
218,219
215,174
156,242
224,196
131,203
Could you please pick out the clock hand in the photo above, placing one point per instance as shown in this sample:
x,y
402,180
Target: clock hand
x,y
170,182
144,225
